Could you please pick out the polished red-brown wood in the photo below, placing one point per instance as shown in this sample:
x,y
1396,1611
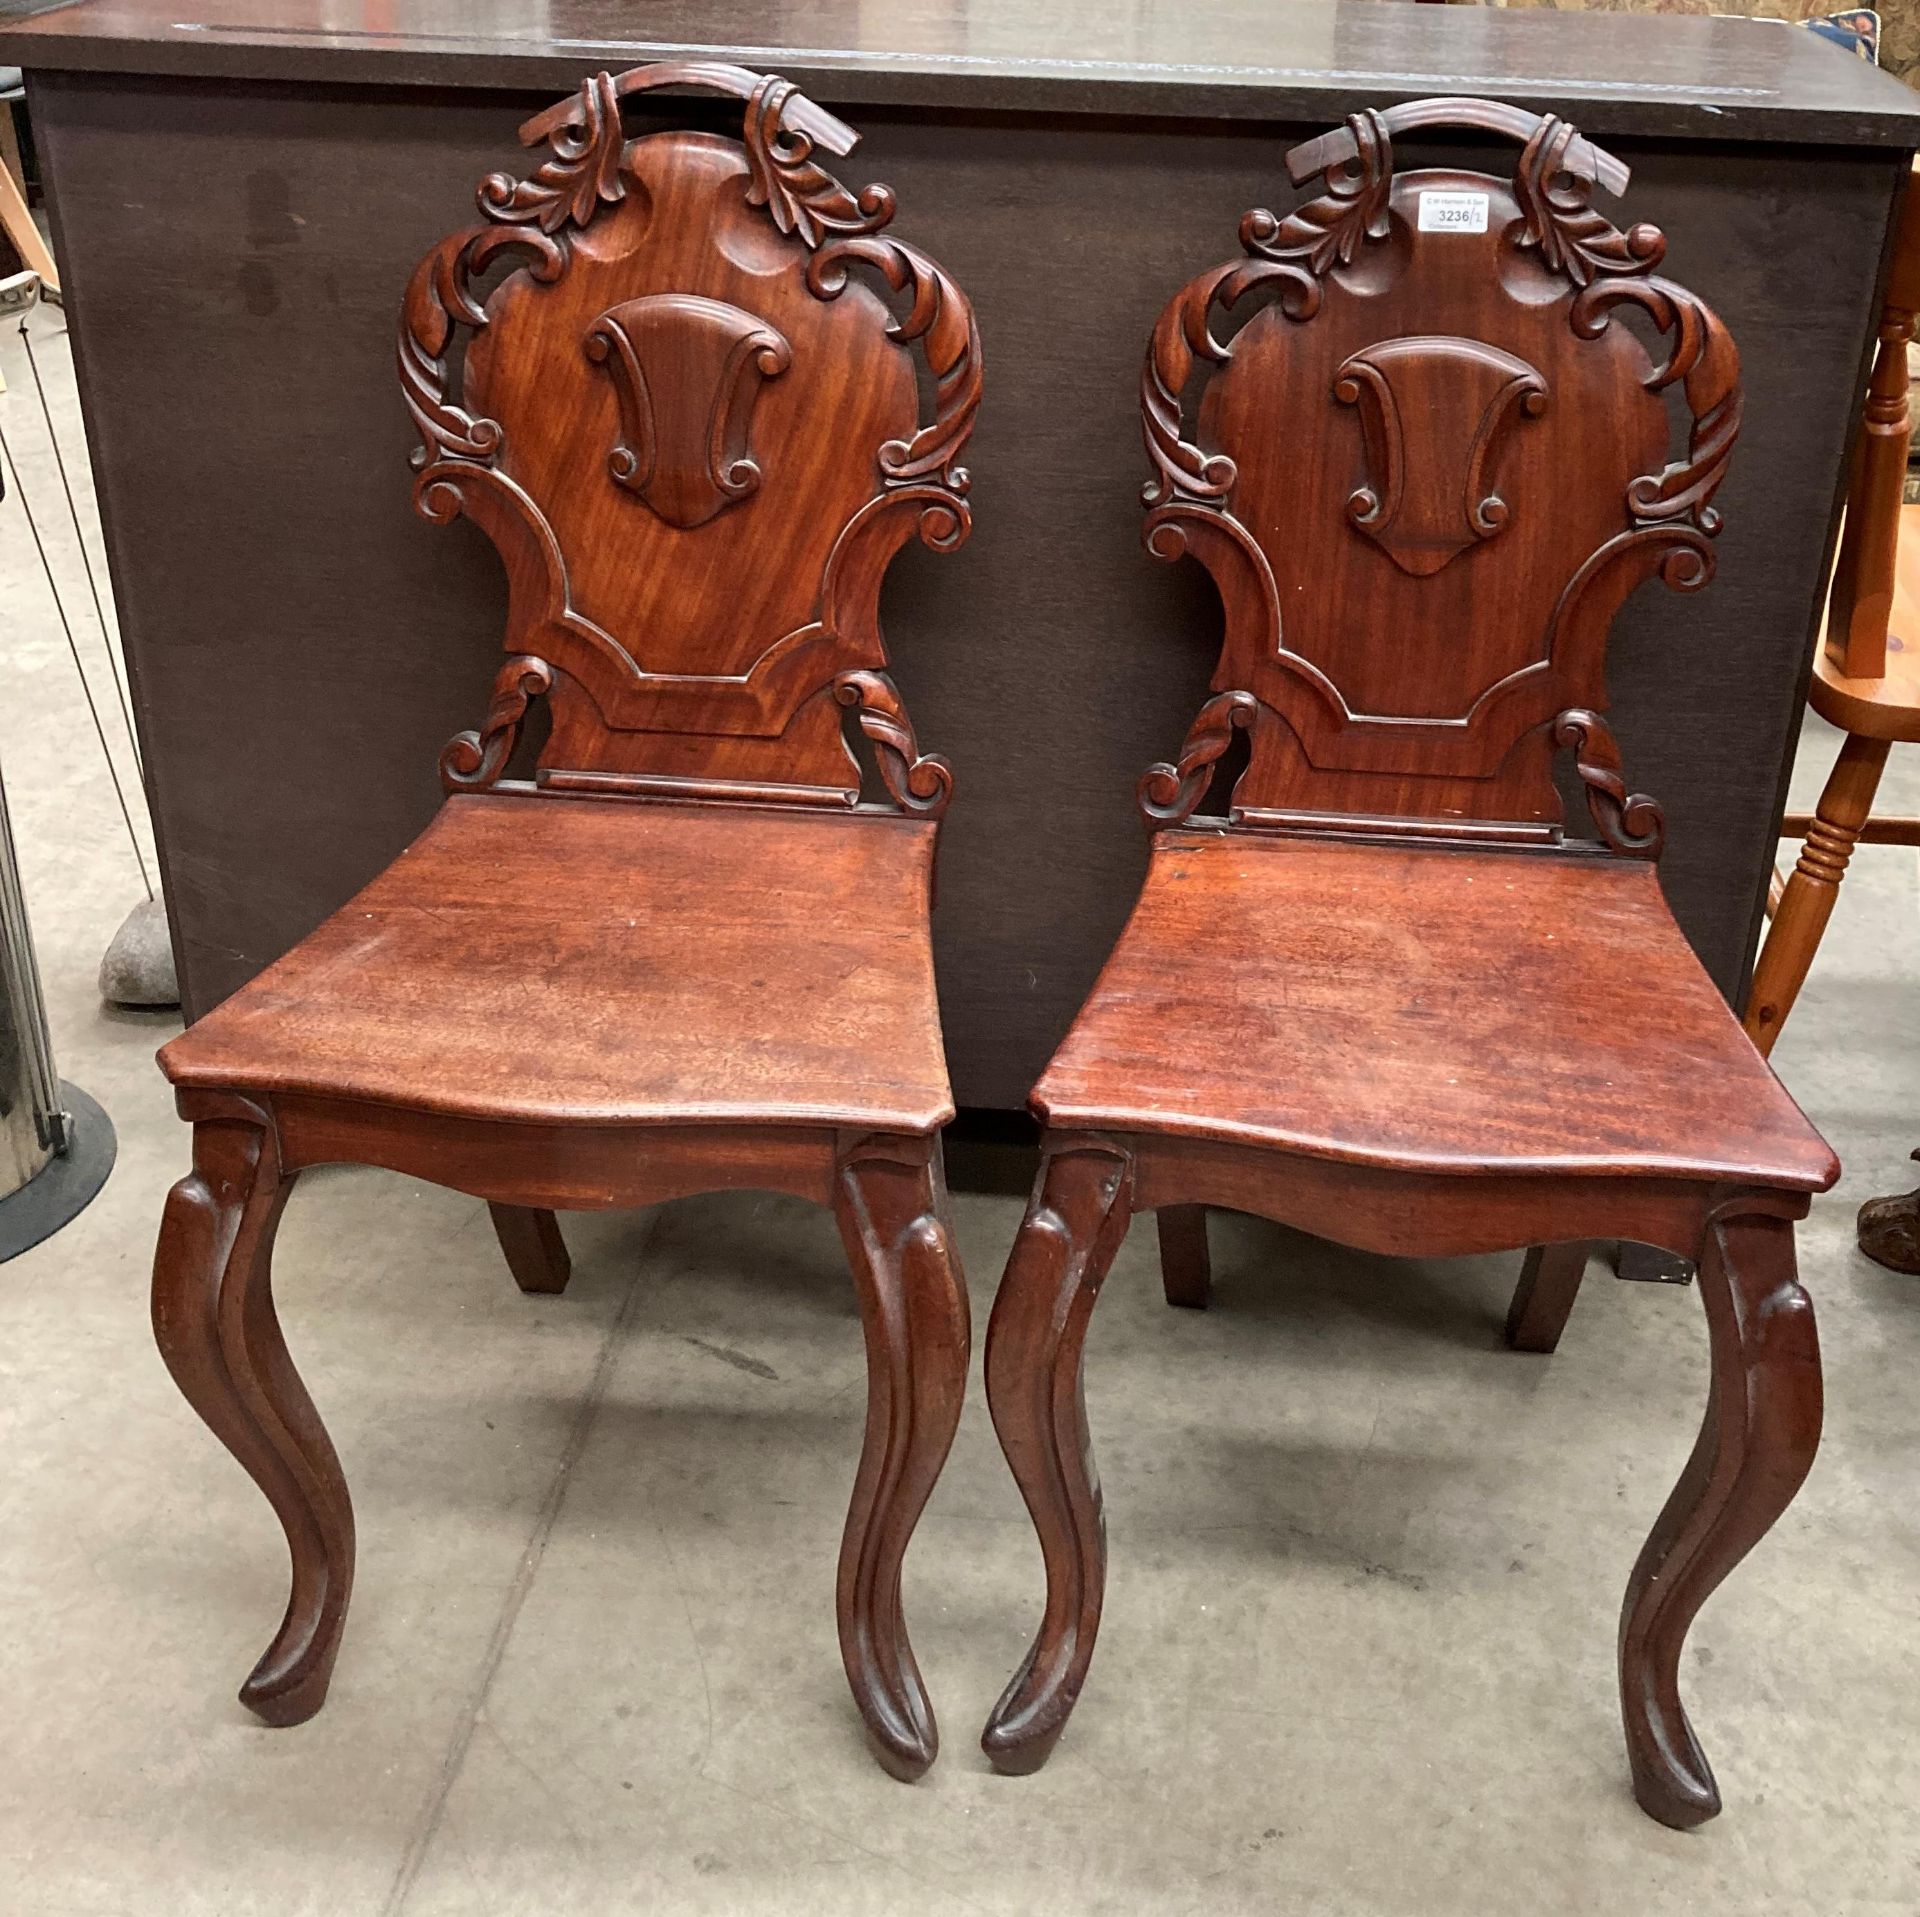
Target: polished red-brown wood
x,y
1376,1003
1374,986
674,380
595,961
689,418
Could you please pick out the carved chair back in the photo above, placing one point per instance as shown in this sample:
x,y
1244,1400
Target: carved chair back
x,y
1425,472
694,432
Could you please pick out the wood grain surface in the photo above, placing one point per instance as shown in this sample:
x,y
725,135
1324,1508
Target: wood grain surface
x,y
1439,1010
606,962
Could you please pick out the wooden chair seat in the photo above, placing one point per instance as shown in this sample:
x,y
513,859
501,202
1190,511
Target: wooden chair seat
x,y
600,962
1886,706
1425,1010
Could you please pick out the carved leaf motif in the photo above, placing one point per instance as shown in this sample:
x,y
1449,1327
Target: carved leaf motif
x,y
940,316
583,172
1330,231
1556,219
1287,258
438,297
800,194
1629,822
1427,497
683,445
1168,793
1705,358
473,761
917,783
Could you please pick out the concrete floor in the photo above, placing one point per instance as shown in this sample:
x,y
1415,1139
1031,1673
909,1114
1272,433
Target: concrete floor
x,y
1358,1653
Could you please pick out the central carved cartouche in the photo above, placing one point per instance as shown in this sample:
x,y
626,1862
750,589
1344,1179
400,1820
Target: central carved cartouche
x,y
688,371
1434,413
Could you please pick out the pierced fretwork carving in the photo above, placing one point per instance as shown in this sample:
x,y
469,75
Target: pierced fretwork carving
x,y
1629,822
1510,461
1705,359
1428,499
688,371
1286,258
531,216
473,761
916,782
696,432
799,194
1168,793
1572,238
940,316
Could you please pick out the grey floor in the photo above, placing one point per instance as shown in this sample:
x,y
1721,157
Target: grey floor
x,y
1366,1562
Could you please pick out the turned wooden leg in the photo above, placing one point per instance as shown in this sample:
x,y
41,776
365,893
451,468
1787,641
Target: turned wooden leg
x,y
536,1253
1185,1270
1807,901
891,1203
1549,1283
1075,1221
1761,1429
214,1319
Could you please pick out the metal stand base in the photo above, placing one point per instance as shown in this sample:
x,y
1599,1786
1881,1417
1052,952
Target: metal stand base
x,y
1651,1266
68,1183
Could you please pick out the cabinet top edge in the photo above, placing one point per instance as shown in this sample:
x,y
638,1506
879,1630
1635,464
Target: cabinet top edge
x,y
1672,76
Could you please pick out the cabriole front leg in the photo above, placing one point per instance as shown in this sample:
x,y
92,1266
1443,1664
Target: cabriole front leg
x,y
214,1319
891,1202
1755,1446
1075,1221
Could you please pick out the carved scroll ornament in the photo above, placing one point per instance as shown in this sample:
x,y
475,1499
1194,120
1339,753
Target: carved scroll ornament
x,y
1559,222
1629,822
1167,794
473,761
1428,498
683,432
1703,357
917,783
800,195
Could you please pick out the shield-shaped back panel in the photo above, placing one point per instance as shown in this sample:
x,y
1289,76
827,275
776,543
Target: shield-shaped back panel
x,y
1426,469
689,417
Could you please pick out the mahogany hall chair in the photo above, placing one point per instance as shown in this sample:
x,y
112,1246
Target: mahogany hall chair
x,y
1383,996
683,955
